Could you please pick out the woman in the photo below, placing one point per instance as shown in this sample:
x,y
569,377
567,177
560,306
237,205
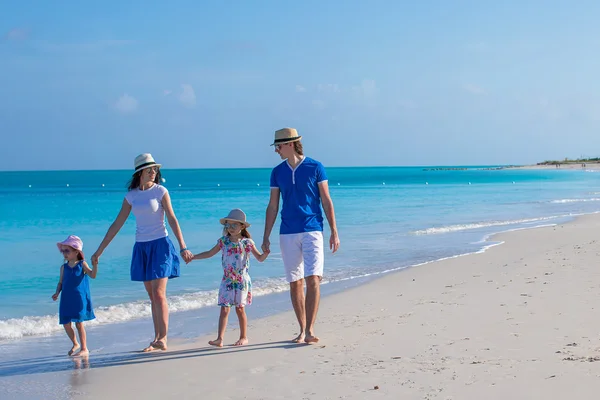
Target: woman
x,y
154,259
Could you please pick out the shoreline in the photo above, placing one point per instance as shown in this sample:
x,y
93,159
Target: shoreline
x,y
512,320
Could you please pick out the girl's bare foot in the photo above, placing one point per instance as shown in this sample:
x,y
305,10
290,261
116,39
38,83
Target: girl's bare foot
x,y
241,342
299,338
82,353
74,349
216,342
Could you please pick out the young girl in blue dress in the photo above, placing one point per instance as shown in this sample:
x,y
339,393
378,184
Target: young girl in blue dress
x,y
236,287
74,290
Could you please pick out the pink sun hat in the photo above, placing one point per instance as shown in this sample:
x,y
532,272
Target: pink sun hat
x,y
72,241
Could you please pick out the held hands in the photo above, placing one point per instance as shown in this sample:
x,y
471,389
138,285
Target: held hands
x,y
266,246
187,256
95,259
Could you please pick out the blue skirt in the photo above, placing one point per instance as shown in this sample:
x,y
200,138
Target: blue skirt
x,y
155,259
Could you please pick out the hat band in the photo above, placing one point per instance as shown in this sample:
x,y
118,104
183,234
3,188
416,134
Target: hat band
x,y
145,165
286,140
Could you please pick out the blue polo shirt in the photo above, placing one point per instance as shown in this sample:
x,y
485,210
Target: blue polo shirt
x,y
301,209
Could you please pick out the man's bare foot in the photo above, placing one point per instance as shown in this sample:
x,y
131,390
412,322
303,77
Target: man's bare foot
x,y
299,338
241,342
82,353
160,344
74,349
311,339
216,342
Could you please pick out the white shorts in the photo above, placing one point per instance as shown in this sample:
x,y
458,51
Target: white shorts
x,y
302,254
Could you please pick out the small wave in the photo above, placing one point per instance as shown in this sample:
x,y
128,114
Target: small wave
x,y
477,225
17,328
561,201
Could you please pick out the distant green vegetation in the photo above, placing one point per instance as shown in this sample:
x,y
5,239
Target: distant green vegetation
x,y
570,161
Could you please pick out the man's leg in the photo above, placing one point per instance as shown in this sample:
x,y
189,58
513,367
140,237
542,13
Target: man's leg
x,y
313,295
291,253
297,295
313,255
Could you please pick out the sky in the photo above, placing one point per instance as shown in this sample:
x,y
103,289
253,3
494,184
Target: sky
x,y
206,84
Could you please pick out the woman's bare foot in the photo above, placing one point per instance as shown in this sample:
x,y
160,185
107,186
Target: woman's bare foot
x,y
82,353
241,342
74,349
311,339
217,342
299,338
152,346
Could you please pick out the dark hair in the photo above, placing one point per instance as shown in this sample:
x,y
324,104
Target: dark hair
x,y
134,183
298,147
245,233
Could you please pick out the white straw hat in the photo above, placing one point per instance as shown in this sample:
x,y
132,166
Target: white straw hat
x,y
144,161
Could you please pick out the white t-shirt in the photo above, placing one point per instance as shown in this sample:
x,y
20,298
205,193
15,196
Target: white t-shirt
x,y
149,213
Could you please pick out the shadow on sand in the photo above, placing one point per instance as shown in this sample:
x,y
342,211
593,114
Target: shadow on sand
x,y
64,363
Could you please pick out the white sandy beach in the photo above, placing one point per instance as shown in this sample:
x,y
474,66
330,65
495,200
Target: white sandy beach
x,y
588,166
516,322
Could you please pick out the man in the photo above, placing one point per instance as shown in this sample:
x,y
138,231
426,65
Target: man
x,y
302,184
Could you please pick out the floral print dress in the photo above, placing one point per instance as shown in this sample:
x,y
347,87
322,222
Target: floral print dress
x,y
236,286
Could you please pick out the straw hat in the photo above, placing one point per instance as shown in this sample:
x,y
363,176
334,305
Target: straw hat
x,y
286,135
144,161
236,215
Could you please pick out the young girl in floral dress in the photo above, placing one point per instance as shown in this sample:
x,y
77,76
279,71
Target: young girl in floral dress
x,y
236,287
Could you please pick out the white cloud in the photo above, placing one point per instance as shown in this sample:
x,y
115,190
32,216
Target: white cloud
x,y
126,104
17,34
328,88
474,89
187,97
167,92
318,104
300,88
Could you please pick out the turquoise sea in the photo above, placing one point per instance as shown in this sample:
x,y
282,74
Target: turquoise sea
x,y
389,218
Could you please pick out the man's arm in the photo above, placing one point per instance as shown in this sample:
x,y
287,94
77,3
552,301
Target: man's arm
x,y
270,218
327,203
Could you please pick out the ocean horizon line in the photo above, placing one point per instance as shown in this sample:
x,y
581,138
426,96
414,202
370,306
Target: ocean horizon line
x,y
271,167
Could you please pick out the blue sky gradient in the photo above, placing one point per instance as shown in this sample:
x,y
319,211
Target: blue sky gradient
x,y
205,84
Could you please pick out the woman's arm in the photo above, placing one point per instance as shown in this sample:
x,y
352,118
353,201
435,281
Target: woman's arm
x,y
207,254
90,272
59,286
174,224
112,231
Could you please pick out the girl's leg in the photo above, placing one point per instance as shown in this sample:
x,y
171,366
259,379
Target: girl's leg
x,y
223,317
83,339
161,312
241,313
148,287
71,335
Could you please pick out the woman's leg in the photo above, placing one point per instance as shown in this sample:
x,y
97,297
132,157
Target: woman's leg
x,y
241,313
161,311
223,317
148,287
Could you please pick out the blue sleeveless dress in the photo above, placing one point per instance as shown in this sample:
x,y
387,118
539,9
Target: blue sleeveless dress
x,y
75,299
